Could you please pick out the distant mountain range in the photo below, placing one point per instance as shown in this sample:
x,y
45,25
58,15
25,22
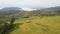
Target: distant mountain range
x,y
14,10
52,8
9,10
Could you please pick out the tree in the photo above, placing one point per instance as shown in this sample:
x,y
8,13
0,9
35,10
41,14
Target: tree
x,y
12,22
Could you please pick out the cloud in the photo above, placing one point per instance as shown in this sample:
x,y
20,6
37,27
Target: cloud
x,y
29,3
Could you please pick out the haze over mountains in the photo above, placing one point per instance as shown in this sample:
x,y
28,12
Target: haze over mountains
x,y
9,10
14,10
52,8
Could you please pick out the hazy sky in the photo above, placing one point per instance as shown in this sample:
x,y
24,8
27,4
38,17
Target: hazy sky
x,y
29,3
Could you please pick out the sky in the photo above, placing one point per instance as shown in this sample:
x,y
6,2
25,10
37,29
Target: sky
x,y
29,3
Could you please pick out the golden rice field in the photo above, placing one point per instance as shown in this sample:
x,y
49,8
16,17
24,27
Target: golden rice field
x,y
38,25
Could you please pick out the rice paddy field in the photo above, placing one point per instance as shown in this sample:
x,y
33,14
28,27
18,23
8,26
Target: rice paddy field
x,y
38,25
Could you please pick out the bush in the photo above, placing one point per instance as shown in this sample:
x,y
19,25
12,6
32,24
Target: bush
x,y
26,17
6,26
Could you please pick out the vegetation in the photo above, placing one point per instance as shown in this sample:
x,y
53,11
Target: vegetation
x,y
6,26
45,25
34,22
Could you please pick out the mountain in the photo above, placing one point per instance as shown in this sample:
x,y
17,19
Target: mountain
x,y
9,10
52,8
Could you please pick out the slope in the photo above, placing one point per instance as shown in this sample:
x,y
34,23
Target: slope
x,y
38,25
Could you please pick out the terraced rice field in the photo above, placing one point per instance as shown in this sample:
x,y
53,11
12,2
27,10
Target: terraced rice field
x,y
38,25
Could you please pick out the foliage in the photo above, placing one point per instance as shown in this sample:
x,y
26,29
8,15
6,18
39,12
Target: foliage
x,y
6,26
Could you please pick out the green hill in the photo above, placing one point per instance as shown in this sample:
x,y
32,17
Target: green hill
x,y
38,25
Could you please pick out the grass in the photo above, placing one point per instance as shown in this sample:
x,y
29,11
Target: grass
x,y
45,25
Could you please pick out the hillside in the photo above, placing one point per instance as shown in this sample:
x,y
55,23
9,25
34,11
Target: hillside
x,y
9,10
52,8
38,25
16,11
